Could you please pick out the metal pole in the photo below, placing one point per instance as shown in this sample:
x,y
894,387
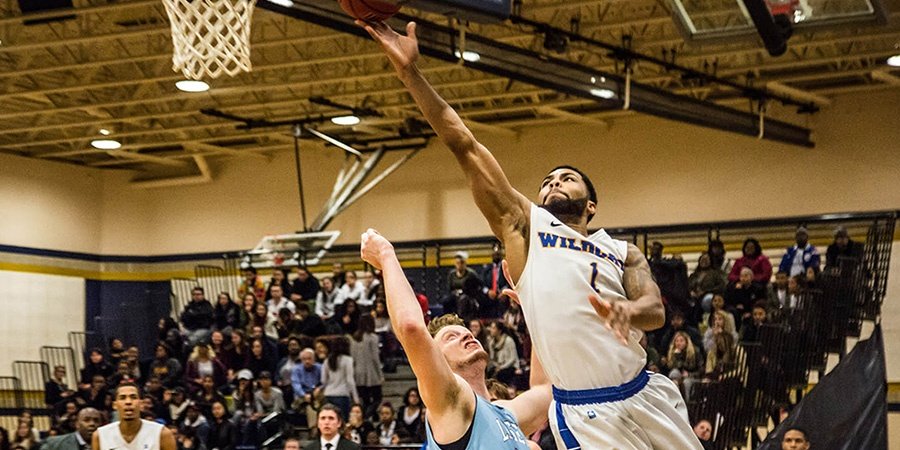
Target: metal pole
x,y
297,130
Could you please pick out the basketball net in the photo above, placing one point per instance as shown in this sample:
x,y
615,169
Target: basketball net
x,y
211,37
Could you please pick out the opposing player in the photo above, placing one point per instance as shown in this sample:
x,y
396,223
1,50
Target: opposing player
x,y
131,432
449,364
585,297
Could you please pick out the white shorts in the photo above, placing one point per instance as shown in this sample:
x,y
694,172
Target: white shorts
x,y
653,418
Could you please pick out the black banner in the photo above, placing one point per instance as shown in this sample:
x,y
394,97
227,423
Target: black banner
x,y
847,410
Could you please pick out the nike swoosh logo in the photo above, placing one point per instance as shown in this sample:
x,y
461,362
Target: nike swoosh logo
x,y
555,224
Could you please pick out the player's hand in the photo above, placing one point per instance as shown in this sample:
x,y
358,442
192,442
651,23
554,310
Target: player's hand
x,y
403,51
373,247
509,292
617,316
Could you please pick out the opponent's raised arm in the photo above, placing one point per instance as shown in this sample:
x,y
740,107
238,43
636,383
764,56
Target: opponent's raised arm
x,y
505,209
438,386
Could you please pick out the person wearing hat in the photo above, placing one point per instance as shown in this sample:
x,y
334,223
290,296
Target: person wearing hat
x,y
800,257
842,247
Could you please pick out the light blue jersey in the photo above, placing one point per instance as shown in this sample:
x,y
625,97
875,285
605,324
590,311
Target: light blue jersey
x,y
493,428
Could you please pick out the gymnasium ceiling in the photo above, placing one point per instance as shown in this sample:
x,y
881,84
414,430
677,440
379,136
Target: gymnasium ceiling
x,y
109,67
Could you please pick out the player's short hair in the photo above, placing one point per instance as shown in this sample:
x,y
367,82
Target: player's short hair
x,y
444,321
592,193
128,384
801,430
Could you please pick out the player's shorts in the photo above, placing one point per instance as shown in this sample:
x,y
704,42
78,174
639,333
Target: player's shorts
x,y
644,414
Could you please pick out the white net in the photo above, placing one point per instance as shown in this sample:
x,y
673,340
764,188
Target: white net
x,y
211,37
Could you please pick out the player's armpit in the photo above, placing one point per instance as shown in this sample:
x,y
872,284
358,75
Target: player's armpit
x,y
647,311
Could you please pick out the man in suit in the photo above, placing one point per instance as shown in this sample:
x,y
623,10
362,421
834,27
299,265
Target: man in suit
x,y
329,423
87,422
494,284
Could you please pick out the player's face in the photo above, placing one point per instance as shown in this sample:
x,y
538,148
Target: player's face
x,y
459,346
794,440
128,403
564,191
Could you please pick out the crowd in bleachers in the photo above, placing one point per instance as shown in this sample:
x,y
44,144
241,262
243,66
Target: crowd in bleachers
x,y
223,371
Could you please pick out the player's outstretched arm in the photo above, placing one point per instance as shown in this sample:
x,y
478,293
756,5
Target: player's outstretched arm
x,y
438,386
646,308
506,210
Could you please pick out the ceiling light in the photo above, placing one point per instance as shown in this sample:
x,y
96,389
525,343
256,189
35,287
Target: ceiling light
x,y
285,3
468,56
105,132
192,86
894,61
603,93
345,120
106,144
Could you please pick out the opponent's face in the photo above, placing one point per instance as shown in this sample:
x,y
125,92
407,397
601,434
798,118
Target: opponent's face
x,y
563,191
794,440
460,347
127,403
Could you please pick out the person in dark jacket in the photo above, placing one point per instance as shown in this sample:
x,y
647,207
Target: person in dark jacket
x,y
227,313
306,285
165,367
87,422
96,365
198,317
222,433
842,247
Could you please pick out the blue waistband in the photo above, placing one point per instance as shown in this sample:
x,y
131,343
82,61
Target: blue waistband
x,y
602,395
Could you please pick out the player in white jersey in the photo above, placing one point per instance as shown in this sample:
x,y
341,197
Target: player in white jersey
x,y
585,298
131,432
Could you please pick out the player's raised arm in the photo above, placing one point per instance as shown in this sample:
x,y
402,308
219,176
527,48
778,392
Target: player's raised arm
x,y
647,311
506,210
439,387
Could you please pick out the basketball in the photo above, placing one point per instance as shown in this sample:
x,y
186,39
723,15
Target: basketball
x,y
369,10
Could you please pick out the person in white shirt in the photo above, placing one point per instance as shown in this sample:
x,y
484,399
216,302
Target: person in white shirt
x,y
279,301
353,289
131,432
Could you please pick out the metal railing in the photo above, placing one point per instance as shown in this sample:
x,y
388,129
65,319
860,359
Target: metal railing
x,y
11,395
33,376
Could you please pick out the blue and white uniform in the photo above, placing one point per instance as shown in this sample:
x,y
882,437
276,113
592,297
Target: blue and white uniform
x,y
602,396
147,437
492,428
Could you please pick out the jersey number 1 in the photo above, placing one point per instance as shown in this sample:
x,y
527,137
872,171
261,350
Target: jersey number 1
x,y
594,273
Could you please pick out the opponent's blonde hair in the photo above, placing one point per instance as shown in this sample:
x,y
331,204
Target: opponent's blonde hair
x,y
444,321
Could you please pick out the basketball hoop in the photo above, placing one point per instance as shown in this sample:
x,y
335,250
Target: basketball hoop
x,y
211,37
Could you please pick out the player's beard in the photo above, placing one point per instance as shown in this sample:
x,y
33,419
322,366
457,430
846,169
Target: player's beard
x,y
566,209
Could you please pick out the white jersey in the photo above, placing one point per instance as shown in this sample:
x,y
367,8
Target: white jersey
x,y
562,269
146,439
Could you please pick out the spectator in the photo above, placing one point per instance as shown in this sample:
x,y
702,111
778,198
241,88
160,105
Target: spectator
x,y
750,329
717,257
371,286
222,433
268,399
197,317
270,346
133,358
337,274
801,256
186,438
123,375
87,422
24,437
456,281
367,373
95,396
177,401
305,378
494,283
278,301
504,359
754,259
207,395
742,294
387,424
795,439
338,382
382,319
480,332
227,314
326,299
27,417
706,281
244,402
202,363
65,421
261,359
357,426
352,289
171,336
306,323
251,284
329,425
422,299
284,322
305,285
95,366
796,286
677,324
237,353
285,368
469,301
778,293
721,354
411,416
154,388
56,390
264,320
195,423
842,247
248,309
722,322
684,363
4,439
348,313
116,351
166,368
513,318
279,279
703,431
671,276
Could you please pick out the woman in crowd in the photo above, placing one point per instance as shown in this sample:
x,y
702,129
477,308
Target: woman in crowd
x,y
754,259
171,335
267,399
260,361
353,289
411,416
227,313
722,322
348,314
248,309
721,355
504,357
244,403
96,365
706,281
684,362
237,354
326,299
222,433
262,318
370,286
203,363
217,345
207,395
718,304
116,351
25,436
338,381
367,372
382,319
357,427
480,333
